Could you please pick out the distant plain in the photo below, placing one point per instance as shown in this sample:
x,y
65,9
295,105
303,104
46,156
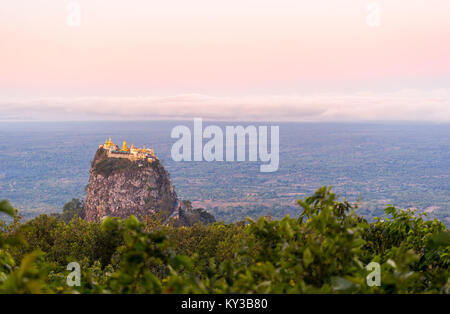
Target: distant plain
x,y
43,165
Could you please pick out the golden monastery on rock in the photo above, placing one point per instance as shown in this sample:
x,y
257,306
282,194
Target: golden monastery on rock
x,y
131,153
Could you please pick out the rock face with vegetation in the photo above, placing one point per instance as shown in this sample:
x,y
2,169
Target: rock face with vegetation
x,y
119,187
186,215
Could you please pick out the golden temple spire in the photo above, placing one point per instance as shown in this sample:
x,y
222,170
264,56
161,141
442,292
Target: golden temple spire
x,y
124,146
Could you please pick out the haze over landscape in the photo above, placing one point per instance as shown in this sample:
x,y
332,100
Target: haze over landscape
x,y
46,164
242,62
319,130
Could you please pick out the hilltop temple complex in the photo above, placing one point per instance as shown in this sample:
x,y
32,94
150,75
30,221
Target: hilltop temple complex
x,y
131,153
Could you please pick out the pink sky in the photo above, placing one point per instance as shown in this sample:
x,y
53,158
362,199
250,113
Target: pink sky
x,y
234,48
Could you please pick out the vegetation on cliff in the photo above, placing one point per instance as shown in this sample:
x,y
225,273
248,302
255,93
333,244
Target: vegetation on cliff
x,y
325,249
106,166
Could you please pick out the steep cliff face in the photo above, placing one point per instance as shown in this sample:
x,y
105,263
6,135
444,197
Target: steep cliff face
x,y
120,187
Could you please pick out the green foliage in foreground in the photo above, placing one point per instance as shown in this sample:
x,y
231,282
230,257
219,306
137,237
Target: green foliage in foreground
x,y
324,250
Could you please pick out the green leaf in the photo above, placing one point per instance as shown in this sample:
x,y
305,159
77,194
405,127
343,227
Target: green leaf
x,y
109,223
307,257
132,222
5,207
181,260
